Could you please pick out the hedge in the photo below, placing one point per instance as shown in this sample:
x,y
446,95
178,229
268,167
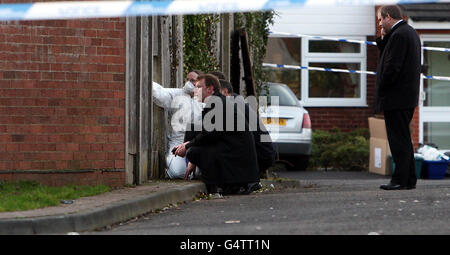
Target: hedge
x,y
340,150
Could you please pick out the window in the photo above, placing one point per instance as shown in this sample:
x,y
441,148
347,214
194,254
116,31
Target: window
x,y
338,89
320,88
436,63
333,84
437,133
434,110
284,51
333,46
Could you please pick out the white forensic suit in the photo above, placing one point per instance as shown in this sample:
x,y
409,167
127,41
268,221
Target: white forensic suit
x,y
182,110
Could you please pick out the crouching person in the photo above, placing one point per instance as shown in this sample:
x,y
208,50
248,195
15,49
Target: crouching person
x,y
225,156
181,108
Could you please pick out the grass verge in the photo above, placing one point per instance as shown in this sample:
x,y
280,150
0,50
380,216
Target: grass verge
x,y
26,195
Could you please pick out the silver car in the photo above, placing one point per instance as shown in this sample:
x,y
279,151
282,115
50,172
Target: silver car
x,y
288,124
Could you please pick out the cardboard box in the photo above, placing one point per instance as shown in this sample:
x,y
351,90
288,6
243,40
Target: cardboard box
x,y
379,156
377,128
379,147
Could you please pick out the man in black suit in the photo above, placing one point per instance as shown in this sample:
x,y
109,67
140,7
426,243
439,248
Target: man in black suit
x,y
225,155
264,147
397,91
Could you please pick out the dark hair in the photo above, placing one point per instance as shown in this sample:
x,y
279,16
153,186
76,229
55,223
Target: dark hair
x,y
218,74
226,85
197,72
393,10
210,80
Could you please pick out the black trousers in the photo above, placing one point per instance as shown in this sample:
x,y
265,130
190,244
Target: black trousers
x,y
399,137
196,156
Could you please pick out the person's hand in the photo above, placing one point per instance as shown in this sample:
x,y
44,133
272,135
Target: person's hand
x,y
180,150
383,32
174,149
189,169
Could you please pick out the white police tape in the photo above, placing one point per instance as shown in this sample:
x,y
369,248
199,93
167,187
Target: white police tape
x,y
347,40
103,9
323,69
321,37
316,68
432,77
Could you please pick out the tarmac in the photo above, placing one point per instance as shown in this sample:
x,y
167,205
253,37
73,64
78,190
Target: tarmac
x,y
95,212
126,203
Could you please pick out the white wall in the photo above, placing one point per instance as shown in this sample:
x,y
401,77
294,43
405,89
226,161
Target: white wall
x,y
320,20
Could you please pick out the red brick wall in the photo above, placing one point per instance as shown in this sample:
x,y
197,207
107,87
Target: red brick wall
x,y
59,178
62,95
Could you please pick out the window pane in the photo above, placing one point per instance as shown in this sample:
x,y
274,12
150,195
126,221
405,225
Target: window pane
x,y
285,51
288,77
437,133
334,85
437,63
334,47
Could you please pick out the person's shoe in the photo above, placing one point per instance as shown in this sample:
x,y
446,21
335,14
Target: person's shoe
x,y
211,188
253,186
231,189
411,187
392,186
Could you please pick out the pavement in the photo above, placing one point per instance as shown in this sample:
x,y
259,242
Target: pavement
x,y
119,205
90,213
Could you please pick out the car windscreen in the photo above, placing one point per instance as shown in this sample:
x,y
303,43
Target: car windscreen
x,y
285,96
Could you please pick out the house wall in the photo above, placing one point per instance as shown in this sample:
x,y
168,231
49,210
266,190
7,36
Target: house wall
x,y
323,20
62,101
336,21
348,118
428,32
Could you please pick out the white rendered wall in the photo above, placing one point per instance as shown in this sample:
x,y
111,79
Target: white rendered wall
x,y
322,20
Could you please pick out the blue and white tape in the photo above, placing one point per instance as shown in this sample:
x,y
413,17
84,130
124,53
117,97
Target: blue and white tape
x,y
347,40
104,9
431,77
321,37
317,68
323,69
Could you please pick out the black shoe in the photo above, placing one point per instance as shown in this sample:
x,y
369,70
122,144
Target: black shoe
x,y
231,189
411,187
253,186
391,186
211,188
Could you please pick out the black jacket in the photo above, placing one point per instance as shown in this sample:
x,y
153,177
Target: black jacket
x,y
263,143
228,157
398,72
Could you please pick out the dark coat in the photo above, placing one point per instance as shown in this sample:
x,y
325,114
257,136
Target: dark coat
x,y
264,149
398,72
226,157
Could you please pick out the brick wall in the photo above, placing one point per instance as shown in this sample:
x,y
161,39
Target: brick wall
x,y
62,98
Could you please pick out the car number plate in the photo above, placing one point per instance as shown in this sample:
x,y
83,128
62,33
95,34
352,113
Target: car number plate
x,y
274,121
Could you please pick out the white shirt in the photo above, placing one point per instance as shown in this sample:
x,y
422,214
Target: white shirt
x,y
396,24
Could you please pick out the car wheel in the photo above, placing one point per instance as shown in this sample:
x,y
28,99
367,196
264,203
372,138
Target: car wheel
x,y
299,163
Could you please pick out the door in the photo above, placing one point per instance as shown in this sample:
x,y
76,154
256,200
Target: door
x,y
435,94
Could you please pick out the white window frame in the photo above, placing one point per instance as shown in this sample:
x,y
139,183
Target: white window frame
x,y
431,113
308,57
